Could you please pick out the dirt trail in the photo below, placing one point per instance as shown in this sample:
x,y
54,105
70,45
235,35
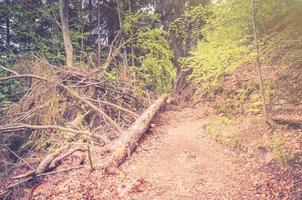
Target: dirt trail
x,y
183,164
174,161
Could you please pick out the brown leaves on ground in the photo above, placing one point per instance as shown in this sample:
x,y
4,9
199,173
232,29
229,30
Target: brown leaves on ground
x,y
177,161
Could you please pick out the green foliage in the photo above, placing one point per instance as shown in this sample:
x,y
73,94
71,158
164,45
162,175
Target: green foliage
x,y
7,88
140,20
111,75
220,51
219,130
227,39
187,27
153,55
282,154
242,100
4,102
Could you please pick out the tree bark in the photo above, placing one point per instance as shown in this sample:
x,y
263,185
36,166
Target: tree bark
x,y
258,65
99,34
63,4
133,135
124,49
7,32
131,42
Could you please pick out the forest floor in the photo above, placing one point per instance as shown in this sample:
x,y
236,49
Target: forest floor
x,y
175,160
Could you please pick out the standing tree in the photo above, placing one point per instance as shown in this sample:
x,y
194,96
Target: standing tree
x,y
99,33
63,4
258,65
7,29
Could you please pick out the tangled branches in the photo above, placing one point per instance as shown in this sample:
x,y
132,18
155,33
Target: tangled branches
x,y
79,106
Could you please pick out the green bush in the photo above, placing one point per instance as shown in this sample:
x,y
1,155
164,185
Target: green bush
x,y
154,68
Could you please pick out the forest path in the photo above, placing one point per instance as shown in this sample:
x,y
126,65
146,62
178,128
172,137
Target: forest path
x,y
181,163
175,161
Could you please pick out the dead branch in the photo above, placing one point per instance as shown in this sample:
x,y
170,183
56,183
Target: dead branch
x,y
20,127
50,162
22,76
96,109
9,70
66,91
14,185
42,167
59,171
291,124
115,106
57,161
44,164
20,158
89,157
28,113
72,93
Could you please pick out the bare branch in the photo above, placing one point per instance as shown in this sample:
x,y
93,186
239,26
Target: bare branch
x,y
14,128
22,76
115,106
96,109
9,70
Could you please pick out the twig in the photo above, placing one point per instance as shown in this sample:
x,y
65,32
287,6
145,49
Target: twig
x,y
12,186
89,156
58,160
20,158
115,106
59,171
28,113
43,166
9,70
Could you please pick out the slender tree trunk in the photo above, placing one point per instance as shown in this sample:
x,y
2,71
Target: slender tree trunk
x,y
131,42
125,64
7,28
90,13
258,66
99,35
82,33
63,4
7,32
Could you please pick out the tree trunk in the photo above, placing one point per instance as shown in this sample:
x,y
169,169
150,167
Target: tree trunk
x,y
63,4
258,65
124,50
99,34
131,42
133,135
7,27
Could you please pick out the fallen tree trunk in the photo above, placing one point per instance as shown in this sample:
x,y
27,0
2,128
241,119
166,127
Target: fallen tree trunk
x,y
132,136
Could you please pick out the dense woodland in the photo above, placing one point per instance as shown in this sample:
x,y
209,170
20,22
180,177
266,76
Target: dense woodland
x,y
87,76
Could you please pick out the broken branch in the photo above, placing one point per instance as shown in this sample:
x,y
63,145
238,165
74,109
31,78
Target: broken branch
x,y
14,128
